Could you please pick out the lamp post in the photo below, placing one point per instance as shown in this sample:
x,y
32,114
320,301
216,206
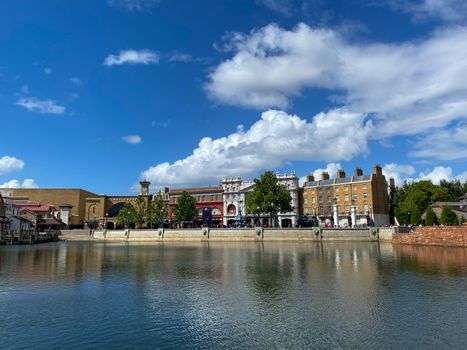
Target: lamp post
x,y
105,220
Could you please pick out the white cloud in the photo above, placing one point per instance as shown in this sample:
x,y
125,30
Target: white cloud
x,y
48,70
445,10
132,139
133,5
181,57
404,173
443,144
331,169
398,172
437,174
271,141
9,164
280,6
27,183
132,57
75,80
33,104
409,88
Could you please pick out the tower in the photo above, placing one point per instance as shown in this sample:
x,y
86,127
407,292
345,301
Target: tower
x,y
144,188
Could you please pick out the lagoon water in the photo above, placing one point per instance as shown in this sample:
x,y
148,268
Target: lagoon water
x,y
84,295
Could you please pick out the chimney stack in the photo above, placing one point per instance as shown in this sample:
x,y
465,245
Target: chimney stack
x,y
340,174
324,175
309,178
358,172
378,171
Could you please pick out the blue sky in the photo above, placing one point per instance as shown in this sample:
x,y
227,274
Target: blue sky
x,y
99,94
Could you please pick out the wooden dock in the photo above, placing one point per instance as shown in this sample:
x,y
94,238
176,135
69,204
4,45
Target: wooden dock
x,y
28,237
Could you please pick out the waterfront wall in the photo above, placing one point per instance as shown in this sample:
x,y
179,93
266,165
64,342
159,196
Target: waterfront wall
x,y
245,234
435,235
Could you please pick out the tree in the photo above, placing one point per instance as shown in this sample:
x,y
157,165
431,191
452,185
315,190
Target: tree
x,y
413,199
462,220
448,216
185,209
269,197
141,210
127,216
430,218
158,211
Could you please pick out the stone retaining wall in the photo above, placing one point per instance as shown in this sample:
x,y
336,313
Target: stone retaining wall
x,y
246,234
436,235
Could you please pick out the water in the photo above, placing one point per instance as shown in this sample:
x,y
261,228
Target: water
x,y
232,295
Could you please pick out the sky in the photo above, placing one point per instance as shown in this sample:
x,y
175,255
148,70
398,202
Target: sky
x,y
99,94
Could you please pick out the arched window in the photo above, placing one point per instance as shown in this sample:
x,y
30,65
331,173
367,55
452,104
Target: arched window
x,y
231,210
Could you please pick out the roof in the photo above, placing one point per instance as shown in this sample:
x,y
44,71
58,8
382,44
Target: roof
x,y
50,221
197,190
4,219
21,218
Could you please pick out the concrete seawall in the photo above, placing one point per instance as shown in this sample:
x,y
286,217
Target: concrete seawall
x,y
245,234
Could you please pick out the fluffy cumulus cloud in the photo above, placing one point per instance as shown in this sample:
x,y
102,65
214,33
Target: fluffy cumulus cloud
x,y
408,88
274,139
132,139
33,104
10,164
398,172
132,57
407,173
27,183
133,5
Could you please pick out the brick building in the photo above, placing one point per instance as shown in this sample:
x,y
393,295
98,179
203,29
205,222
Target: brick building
x,y
205,197
347,200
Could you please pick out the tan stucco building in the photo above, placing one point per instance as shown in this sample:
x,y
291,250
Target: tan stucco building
x,y
347,200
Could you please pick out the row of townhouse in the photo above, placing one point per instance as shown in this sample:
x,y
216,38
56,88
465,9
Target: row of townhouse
x,y
344,201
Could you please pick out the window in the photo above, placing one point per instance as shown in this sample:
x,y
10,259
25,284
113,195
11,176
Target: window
x,y
346,188
347,208
337,198
305,200
216,211
355,197
355,187
365,208
313,200
365,196
329,199
321,199
313,192
306,211
346,197
364,187
337,189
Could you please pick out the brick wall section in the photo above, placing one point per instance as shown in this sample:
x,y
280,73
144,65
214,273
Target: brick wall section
x,y
436,235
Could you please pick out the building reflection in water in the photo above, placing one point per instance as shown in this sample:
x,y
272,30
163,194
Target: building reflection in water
x,y
203,290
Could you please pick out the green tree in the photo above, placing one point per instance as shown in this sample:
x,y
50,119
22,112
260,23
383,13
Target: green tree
x,y
462,220
430,218
448,216
413,199
141,209
127,216
158,210
269,197
185,209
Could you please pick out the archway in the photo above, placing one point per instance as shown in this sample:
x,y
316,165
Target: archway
x,y
231,210
115,209
286,223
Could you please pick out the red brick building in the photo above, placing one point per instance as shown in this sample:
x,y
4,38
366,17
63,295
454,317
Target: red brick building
x,y
205,197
